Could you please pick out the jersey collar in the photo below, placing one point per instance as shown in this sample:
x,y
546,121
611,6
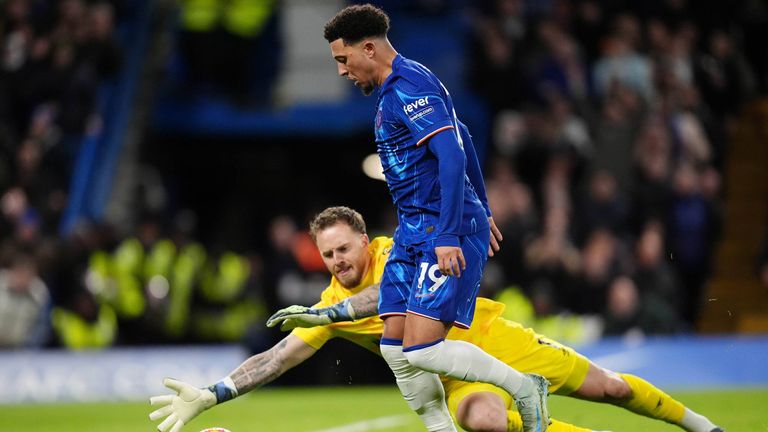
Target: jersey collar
x,y
396,62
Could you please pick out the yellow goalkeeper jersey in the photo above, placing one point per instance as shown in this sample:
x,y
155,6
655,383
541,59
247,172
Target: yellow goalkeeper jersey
x,y
367,332
522,348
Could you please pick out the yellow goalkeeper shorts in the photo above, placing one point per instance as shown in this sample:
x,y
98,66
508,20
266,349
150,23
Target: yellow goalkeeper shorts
x,y
528,352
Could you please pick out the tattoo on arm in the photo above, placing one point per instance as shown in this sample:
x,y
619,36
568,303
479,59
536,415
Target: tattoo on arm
x,y
260,369
366,302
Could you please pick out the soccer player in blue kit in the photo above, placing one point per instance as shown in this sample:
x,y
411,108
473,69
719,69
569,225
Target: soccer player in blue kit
x,y
444,225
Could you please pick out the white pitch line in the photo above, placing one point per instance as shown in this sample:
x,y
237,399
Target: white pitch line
x,y
371,425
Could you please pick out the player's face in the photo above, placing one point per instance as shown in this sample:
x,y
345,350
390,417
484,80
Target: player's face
x,y
345,253
354,63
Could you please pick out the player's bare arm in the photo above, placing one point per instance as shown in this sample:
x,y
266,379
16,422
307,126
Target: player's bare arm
x,y
361,305
189,401
264,367
366,302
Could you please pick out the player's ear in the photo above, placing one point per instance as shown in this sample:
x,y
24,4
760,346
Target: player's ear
x,y
364,238
369,48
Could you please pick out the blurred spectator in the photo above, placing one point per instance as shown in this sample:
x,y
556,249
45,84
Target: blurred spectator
x,y
603,206
515,214
691,143
653,274
13,205
621,64
616,129
626,26
559,69
571,131
632,314
674,62
659,37
24,305
76,99
44,182
227,307
69,271
689,100
589,27
295,271
280,262
100,50
498,35
551,256
602,259
71,21
510,132
693,230
556,187
653,165
84,324
723,76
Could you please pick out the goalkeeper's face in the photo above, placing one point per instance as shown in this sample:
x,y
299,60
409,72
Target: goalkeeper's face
x,y
345,253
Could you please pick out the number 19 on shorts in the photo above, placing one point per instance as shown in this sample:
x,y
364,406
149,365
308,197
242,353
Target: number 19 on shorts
x,y
433,272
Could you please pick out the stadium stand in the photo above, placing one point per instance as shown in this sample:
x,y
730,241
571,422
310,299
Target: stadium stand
x,y
623,146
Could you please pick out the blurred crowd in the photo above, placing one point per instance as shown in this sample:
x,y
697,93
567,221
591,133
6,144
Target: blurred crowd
x,y
611,127
604,171
55,57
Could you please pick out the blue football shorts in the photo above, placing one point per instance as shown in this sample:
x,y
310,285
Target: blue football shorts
x,y
412,281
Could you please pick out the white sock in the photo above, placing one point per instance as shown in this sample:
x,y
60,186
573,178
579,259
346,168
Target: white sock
x,y
466,362
422,390
694,422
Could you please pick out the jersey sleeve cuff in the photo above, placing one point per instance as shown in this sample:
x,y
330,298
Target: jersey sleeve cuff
x,y
430,134
447,240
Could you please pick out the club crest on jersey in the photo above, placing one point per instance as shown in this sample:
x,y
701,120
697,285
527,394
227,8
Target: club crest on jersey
x,y
418,108
379,117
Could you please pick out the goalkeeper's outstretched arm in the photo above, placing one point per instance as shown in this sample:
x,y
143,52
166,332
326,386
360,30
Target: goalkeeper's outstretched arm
x,y
189,401
361,305
366,302
263,368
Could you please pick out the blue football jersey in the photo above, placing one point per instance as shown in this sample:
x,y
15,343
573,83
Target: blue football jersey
x,y
413,105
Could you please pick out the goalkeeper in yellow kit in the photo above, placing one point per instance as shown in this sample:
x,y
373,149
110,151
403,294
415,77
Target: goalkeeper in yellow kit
x,y
348,309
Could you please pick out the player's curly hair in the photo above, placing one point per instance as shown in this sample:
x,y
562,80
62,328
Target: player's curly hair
x,y
333,215
357,22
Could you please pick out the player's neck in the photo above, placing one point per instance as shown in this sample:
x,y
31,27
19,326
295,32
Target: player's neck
x,y
388,55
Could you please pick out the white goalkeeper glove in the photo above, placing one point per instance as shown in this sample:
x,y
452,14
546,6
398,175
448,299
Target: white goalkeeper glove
x,y
302,316
189,401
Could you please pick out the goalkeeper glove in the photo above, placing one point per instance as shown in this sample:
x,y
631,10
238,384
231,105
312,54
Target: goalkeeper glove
x,y
188,402
302,316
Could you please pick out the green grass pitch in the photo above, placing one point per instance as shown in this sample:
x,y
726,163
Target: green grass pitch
x,y
359,409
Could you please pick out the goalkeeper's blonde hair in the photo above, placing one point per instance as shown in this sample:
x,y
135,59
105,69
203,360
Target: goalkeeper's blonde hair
x,y
333,215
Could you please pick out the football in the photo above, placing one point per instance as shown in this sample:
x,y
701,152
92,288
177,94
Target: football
x,y
215,429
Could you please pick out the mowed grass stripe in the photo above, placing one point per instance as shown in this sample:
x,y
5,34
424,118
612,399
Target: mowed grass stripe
x,y
318,408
